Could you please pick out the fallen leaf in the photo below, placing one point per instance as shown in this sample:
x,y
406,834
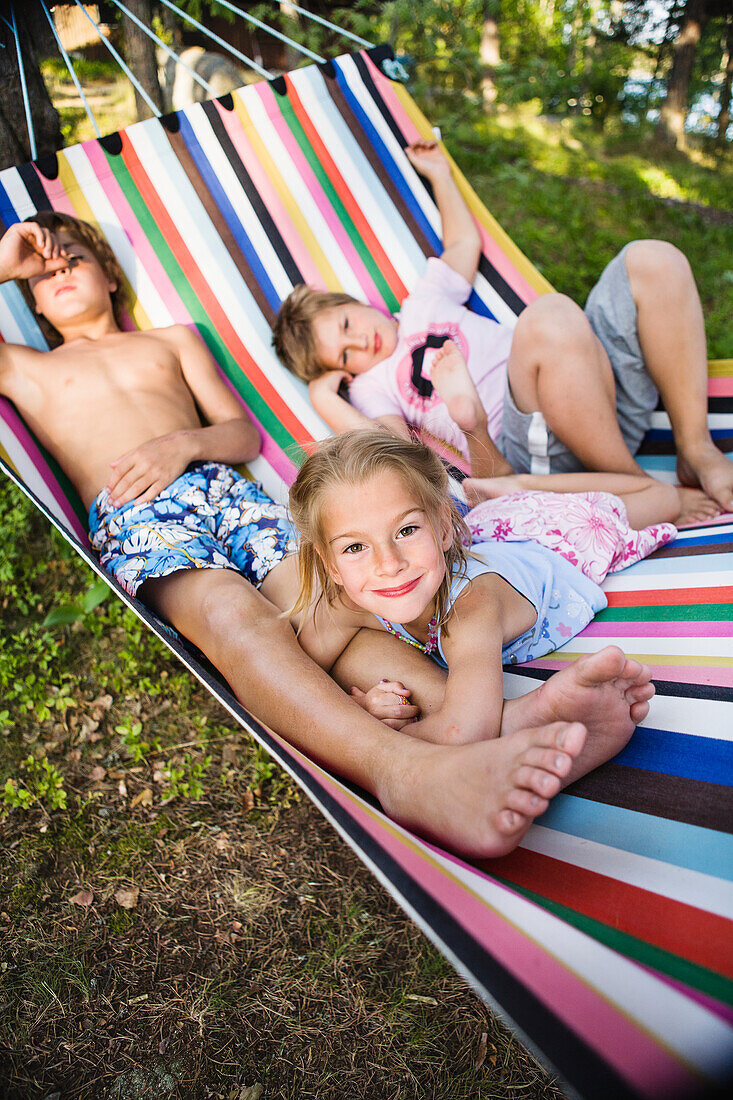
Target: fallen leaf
x,y
144,798
481,1056
229,755
251,1092
84,898
248,801
417,997
236,926
74,756
88,725
127,898
122,788
103,702
222,842
97,773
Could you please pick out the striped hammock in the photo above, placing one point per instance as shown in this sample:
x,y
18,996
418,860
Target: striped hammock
x,y
605,939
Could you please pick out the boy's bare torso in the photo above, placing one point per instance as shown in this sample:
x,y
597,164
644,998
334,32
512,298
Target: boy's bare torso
x,y
90,401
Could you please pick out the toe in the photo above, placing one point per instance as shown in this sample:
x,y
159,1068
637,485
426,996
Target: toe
x,y
527,803
550,760
638,712
509,821
537,780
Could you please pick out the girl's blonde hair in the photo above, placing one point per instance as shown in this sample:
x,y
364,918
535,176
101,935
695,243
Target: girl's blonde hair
x,y
348,461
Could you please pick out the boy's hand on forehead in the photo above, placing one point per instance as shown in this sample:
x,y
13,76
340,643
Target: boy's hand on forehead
x,y
28,250
145,471
428,158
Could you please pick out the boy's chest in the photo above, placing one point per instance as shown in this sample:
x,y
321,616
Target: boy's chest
x,y
111,373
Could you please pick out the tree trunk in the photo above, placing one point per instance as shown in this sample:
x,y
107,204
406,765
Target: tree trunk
x,y
489,55
15,147
671,128
140,56
724,113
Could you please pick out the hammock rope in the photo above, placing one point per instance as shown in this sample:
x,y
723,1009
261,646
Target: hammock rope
x,y
23,83
164,45
121,62
325,23
220,41
271,30
72,70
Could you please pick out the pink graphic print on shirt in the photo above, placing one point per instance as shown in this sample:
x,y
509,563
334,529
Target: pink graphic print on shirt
x,y
414,370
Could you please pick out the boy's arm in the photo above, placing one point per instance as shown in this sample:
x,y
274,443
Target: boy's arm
x,y
339,414
26,251
230,436
461,238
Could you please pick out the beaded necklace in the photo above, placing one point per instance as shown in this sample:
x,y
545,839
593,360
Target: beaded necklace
x,y
430,646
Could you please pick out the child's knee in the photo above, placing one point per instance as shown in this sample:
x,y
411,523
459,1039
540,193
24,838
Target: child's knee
x,y
552,321
651,261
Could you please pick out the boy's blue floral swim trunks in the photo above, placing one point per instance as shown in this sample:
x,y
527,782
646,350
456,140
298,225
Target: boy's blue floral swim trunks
x,y
208,518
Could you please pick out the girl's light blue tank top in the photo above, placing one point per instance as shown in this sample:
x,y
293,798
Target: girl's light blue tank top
x,y
564,598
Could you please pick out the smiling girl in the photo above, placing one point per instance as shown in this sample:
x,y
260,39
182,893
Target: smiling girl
x,y
383,545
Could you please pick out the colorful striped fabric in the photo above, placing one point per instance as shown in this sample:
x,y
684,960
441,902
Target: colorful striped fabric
x,y
605,938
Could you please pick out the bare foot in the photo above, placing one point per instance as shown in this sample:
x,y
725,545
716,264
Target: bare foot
x,y
479,800
451,379
695,506
606,691
479,489
711,470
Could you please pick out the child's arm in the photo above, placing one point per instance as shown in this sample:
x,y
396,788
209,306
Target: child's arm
x,y
339,414
461,238
487,614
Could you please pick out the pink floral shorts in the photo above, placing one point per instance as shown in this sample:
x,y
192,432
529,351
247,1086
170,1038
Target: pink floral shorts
x,y
589,529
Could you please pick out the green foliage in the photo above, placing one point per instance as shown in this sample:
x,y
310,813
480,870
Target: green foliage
x,y
130,731
73,612
40,782
185,779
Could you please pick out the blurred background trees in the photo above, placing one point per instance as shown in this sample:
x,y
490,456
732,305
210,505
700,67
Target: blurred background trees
x,y
661,68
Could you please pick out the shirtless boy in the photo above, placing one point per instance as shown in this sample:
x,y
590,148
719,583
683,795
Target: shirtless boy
x,y
122,413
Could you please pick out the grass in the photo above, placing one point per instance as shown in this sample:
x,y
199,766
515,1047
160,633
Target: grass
x,y
250,945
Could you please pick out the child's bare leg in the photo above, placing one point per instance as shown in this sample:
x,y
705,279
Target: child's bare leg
x,y
454,384
558,366
672,337
606,691
646,499
478,799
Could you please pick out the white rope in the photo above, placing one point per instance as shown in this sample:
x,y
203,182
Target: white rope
x,y
325,23
271,30
72,71
204,30
126,70
24,88
176,57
